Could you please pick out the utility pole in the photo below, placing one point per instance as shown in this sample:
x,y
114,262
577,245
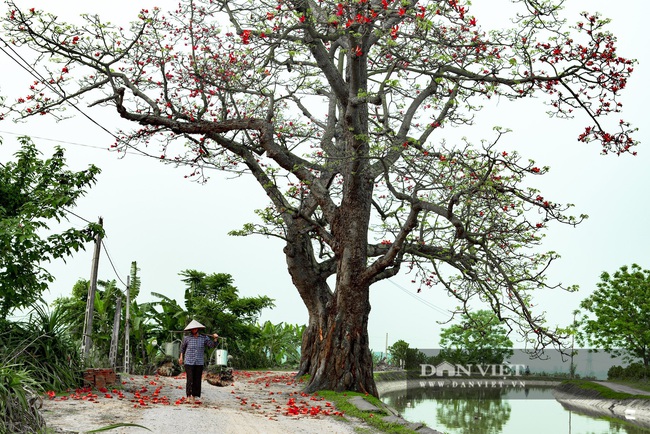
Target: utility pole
x,y
386,348
112,355
127,328
86,341
572,368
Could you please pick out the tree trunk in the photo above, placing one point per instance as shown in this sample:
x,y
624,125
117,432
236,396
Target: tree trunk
x,y
335,345
336,352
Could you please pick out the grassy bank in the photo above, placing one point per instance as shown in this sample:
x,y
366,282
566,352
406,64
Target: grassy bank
x,y
373,419
589,389
390,376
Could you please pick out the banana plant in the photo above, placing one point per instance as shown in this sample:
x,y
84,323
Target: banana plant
x,y
281,342
142,334
172,318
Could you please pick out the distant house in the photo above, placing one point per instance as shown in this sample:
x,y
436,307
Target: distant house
x,y
446,367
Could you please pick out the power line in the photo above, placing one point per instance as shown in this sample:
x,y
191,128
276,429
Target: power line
x,y
421,300
76,215
209,166
112,265
55,140
34,73
85,145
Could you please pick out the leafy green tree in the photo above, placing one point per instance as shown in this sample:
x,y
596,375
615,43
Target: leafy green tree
x,y
103,317
338,110
398,351
619,320
34,193
214,301
481,339
403,355
142,328
145,320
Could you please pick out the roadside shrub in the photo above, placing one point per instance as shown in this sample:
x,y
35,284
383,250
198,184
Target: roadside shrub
x,y
19,401
615,372
635,371
43,346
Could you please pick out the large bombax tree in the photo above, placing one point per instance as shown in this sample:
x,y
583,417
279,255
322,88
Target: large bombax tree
x,y
337,109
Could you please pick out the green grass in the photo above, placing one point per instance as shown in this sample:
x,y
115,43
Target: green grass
x,y
598,390
374,420
390,376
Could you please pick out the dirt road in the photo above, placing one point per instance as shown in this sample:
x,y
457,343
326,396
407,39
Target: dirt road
x,y
622,388
264,402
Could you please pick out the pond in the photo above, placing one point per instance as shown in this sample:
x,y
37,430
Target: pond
x,y
531,410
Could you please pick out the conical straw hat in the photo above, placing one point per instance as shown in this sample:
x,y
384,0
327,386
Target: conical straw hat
x,y
194,324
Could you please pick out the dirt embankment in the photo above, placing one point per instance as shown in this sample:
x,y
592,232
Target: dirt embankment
x,y
264,402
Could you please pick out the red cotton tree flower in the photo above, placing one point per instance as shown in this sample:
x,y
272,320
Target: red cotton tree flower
x,y
337,109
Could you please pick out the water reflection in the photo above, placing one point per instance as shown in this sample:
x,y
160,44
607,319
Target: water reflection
x,y
485,412
499,411
473,416
615,426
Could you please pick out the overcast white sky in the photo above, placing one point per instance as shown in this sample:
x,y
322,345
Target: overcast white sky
x,y
154,216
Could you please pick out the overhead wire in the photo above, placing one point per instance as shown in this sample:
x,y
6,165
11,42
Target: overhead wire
x,y
55,140
25,65
76,215
34,73
85,145
110,260
420,299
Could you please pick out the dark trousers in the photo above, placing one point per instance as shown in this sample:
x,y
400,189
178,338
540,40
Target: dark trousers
x,y
193,374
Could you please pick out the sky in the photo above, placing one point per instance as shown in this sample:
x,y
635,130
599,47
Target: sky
x,y
156,217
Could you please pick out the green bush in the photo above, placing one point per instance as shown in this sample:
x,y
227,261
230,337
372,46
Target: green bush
x,y
635,371
43,346
19,401
615,372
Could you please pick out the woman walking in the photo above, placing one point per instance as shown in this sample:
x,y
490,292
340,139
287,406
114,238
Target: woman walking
x,y
192,350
